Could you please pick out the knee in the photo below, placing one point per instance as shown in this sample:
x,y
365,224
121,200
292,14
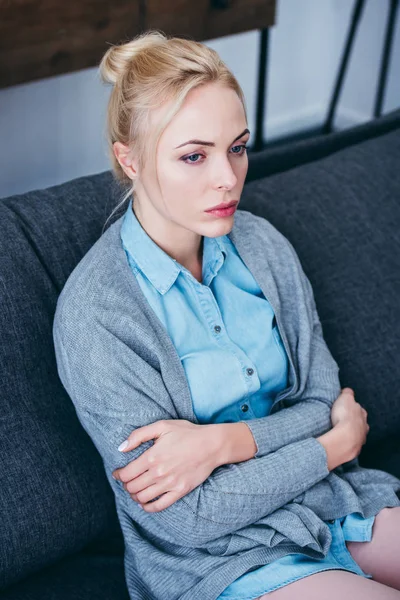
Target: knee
x,y
385,517
386,513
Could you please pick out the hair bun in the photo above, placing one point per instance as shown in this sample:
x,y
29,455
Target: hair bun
x,y
115,61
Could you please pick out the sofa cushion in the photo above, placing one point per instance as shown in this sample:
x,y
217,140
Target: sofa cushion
x,y
54,495
79,577
342,215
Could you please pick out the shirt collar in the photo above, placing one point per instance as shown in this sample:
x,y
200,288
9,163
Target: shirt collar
x,y
159,268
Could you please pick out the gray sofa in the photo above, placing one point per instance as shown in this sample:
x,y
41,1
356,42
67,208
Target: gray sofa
x,y
336,198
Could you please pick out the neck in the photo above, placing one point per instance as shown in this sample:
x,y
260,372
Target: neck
x,y
184,246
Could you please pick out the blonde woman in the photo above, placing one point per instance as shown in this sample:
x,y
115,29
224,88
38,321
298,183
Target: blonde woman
x,y
189,342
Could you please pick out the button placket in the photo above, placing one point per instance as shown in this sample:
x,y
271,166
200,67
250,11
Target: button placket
x,y
212,314
245,410
215,307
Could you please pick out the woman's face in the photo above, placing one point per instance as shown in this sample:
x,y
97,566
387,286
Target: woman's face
x,y
201,162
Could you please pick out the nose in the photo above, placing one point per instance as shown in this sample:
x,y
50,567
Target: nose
x,y
225,177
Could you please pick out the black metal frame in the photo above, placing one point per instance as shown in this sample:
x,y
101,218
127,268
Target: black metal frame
x,y
394,5
328,125
261,90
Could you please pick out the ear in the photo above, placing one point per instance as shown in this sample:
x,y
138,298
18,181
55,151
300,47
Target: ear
x,y
123,155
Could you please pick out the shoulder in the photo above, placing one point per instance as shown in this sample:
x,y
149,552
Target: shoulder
x,y
260,236
267,252
101,279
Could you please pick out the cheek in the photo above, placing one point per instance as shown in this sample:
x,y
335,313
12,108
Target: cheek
x,y
180,190
174,176
179,182
240,172
242,168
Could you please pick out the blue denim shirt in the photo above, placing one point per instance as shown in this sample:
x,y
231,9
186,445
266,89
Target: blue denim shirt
x,y
222,328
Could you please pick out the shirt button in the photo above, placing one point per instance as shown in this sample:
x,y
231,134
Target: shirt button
x,y
249,371
217,328
244,407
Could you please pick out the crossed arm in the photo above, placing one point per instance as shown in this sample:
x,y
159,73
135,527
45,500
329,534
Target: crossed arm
x,y
181,463
308,417
115,391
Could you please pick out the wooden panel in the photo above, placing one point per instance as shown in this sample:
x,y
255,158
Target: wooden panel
x,y
196,18
40,38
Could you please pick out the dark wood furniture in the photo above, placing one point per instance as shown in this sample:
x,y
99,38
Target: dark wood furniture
x,y
43,38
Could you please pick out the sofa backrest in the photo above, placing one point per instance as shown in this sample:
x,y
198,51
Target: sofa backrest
x,y
342,215
54,496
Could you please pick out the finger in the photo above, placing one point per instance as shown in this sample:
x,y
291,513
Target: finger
x,y
166,500
151,493
140,483
140,435
133,469
347,390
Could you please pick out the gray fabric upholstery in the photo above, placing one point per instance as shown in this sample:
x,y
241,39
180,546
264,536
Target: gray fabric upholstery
x,y
77,577
342,215
54,497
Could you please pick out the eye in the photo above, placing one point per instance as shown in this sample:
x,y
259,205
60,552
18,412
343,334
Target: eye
x,y
191,159
241,149
186,158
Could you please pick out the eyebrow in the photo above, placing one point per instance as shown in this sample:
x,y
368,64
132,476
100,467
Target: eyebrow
x,y
203,143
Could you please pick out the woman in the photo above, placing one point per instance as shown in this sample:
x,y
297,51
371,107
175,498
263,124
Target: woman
x,y
183,334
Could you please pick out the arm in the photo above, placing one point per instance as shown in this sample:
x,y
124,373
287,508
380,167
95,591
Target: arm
x,y
310,416
236,444
338,445
115,391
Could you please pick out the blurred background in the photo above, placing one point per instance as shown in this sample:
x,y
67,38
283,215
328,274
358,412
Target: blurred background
x,y
286,54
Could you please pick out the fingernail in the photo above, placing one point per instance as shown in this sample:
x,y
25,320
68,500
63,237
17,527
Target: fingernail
x,y
124,445
140,506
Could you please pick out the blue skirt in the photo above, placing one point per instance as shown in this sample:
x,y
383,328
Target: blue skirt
x,y
352,528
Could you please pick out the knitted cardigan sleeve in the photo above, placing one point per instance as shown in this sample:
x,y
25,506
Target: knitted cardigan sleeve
x,y
307,414
115,389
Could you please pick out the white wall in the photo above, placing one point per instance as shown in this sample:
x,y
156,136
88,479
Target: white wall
x,y
306,49
53,130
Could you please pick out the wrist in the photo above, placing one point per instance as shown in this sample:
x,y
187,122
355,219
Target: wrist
x,y
235,443
338,446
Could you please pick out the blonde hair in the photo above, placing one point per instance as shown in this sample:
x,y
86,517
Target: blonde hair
x,y
146,72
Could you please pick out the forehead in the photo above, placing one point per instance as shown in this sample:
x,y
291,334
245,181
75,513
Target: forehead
x,y
212,112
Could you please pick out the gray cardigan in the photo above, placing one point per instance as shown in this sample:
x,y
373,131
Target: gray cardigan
x,y
121,371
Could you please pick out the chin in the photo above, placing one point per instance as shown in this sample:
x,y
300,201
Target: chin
x,y
220,226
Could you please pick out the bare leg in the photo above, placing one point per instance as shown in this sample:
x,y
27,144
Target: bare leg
x,y
331,585
381,556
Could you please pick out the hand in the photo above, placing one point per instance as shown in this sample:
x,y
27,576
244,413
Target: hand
x,y
347,413
181,458
344,441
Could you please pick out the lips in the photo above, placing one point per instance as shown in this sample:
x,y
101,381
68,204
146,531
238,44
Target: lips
x,y
222,206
